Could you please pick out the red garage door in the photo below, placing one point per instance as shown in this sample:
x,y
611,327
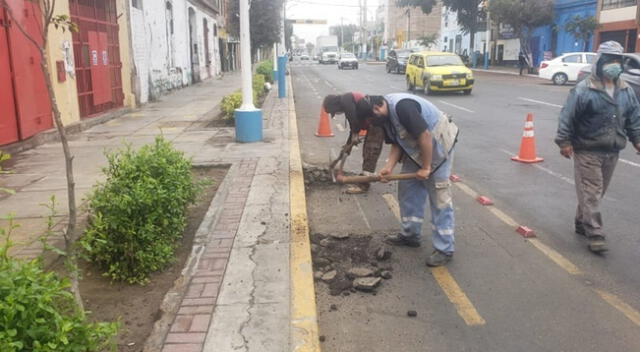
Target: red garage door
x,y
8,121
31,106
97,52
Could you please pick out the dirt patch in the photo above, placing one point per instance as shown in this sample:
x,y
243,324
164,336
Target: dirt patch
x,y
135,306
314,175
221,122
350,263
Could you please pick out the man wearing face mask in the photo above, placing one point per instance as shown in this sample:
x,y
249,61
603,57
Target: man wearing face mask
x,y
601,112
423,139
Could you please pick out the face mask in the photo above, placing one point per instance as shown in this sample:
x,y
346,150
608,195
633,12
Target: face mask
x,y
612,70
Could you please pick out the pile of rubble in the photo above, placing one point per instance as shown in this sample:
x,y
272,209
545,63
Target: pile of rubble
x,y
348,264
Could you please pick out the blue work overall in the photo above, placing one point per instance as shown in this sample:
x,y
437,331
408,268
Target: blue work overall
x,y
413,194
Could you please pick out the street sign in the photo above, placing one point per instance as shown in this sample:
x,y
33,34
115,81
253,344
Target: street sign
x,y
301,21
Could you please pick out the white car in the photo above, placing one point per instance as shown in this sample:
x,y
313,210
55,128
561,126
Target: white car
x,y
565,67
329,57
347,60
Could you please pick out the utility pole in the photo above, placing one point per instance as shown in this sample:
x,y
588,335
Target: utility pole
x,y
487,36
341,35
248,118
408,27
364,29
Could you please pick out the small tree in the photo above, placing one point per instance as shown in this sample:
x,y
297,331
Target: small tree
x,y
467,15
582,29
310,48
265,19
428,39
524,17
59,22
343,32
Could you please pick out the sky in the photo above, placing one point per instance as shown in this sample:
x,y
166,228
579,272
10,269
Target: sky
x,y
331,10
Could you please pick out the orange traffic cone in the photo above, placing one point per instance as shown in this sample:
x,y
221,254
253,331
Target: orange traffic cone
x,y
324,126
362,133
528,145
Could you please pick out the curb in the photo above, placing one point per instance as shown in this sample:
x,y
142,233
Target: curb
x,y
173,297
304,320
504,72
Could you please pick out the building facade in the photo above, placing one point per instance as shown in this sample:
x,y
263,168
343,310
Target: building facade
x,y
619,20
405,26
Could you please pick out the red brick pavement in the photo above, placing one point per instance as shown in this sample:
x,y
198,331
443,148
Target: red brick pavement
x,y
189,328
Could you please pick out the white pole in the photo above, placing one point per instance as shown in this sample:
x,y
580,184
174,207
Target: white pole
x,y
283,49
275,57
245,57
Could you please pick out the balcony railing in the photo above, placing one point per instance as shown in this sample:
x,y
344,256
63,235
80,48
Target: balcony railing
x,y
616,4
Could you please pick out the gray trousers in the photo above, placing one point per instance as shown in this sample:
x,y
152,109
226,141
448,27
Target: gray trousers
x,y
593,172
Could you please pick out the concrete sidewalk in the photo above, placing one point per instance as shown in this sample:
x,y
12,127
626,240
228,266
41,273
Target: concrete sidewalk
x,y
504,70
248,284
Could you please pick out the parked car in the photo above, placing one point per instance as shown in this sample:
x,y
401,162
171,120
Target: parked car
x,y
438,71
347,60
565,67
304,57
397,60
329,57
631,73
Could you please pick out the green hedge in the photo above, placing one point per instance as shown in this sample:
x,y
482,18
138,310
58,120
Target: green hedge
x,y
138,214
38,313
265,68
233,101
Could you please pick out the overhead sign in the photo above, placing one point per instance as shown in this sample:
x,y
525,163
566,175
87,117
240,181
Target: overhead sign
x,y
307,21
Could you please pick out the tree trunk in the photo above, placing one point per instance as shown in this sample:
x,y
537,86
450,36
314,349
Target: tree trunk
x,y
70,235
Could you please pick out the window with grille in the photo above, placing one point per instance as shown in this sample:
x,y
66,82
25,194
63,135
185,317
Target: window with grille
x,y
615,4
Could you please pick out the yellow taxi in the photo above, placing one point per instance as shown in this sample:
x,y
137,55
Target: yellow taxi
x,y
438,71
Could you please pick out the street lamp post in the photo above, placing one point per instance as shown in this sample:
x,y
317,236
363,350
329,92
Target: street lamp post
x,y
487,37
282,59
248,118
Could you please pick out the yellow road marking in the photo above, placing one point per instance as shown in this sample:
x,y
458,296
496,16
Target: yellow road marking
x,y
447,283
304,321
392,203
456,296
556,257
624,308
466,189
504,217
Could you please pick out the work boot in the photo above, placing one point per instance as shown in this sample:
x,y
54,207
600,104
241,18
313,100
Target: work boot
x,y
358,189
399,239
597,244
580,230
438,258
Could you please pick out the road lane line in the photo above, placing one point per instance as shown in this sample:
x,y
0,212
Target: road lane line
x,y
621,306
456,296
466,189
364,217
548,171
556,257
540,102
503,217
629,163
457,106
447,283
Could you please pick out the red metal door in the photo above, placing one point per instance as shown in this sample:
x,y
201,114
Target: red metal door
x,y
32,96
100,77
97,53
8,121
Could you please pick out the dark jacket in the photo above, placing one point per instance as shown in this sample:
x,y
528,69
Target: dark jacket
x,y
593,121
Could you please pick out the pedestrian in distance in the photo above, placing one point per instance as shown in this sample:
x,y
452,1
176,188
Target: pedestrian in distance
x,y
347,104
599,115
422,138
522,61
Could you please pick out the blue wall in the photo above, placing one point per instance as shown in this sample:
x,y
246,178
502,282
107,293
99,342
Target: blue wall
x,y
565,42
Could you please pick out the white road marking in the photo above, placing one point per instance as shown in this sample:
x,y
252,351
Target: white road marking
x,y
340,127
364,217
457,106
629,163
540,102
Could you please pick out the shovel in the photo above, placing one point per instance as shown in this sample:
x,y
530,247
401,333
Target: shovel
x,y
373,178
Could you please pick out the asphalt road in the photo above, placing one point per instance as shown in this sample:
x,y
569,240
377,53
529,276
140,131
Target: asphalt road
x,y
501,292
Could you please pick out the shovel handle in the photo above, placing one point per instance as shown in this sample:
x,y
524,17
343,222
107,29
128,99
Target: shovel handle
x,y
374,178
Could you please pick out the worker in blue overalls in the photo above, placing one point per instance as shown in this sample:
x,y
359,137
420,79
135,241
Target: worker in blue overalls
x,y
422,138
